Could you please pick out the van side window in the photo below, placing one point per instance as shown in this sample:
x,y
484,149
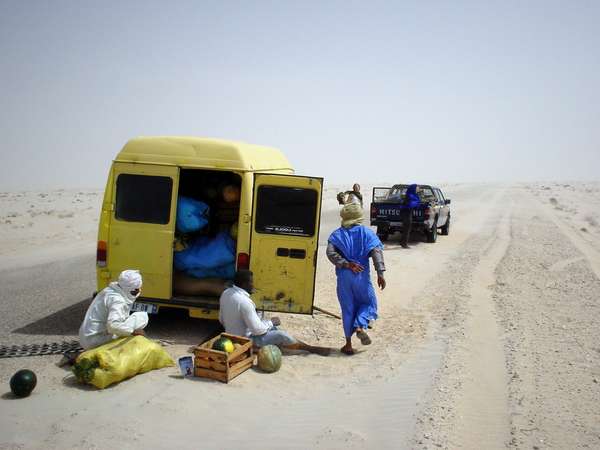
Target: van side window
x,y
283,210
143,198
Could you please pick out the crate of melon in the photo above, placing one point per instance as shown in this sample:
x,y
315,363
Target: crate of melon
x,y
223,358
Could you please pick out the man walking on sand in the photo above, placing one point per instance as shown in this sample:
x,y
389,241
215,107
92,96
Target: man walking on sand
x,y
237,314
349,249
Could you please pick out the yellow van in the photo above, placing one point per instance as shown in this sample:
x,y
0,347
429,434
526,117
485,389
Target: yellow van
x,y
277,216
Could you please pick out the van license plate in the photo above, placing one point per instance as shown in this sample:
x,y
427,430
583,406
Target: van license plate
x,y
144,307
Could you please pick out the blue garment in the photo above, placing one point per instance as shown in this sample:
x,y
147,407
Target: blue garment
x,y
226,272
206,253
192,215
412,200
354,290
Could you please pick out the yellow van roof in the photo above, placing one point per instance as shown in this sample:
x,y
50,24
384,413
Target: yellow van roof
x,y
185,151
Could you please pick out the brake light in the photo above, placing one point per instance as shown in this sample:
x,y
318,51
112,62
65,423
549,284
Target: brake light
x,y
101,254
373,210
243,261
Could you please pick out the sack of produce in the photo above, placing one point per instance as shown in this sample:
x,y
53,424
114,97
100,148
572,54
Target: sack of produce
x,y
187,285
120,359
192,215
206,253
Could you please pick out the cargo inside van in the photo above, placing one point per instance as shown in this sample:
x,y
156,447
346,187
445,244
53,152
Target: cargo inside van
x,y
240,206
204,253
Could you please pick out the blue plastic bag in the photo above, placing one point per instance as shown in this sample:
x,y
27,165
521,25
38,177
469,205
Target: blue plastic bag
x,y
192,215
225,272
206,253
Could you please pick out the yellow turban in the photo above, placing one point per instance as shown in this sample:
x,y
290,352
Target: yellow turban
x,y
351,214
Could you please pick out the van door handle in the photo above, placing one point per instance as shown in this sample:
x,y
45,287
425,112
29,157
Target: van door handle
x,y
296,253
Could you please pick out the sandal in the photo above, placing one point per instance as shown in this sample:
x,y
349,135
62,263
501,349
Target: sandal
x,y
347,351
364,337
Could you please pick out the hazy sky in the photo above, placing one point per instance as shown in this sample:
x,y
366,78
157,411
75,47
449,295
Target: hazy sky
x,y
424,90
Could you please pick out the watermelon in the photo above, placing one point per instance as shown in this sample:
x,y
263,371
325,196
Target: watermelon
x,y
23,382
223,344
269,358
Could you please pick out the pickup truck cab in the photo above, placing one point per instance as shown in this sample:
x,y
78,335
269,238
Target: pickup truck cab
x,y
432,214
275,215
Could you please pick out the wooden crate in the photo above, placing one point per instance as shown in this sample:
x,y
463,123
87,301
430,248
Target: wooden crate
x,y
223,366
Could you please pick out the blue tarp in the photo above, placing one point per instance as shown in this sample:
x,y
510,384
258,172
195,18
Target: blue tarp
x,y
192,215
207,257
226,272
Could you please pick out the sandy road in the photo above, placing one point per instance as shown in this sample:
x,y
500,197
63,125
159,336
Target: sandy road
x,y
521,364
487,339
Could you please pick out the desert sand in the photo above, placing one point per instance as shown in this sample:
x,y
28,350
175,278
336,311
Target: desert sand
x,y
487,339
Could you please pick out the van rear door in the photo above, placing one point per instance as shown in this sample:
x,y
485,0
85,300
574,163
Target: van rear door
x,y
284,242
142,226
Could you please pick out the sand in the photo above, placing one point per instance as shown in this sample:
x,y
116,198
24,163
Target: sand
x,y
487,339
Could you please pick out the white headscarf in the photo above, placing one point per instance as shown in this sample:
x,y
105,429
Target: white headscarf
x,y
130,280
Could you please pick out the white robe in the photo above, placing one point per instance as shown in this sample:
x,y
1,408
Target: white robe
x,y
108,317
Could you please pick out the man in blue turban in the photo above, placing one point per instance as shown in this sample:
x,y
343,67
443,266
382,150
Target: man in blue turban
x,y
411,201
349,249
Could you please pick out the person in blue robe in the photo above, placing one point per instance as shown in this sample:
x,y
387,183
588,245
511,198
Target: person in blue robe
x,y
349,249
411,201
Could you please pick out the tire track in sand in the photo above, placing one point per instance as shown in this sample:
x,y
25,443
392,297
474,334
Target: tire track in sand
x,y
482,414
468,406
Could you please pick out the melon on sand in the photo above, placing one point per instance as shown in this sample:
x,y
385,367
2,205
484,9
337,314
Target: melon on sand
x,y
23,382
269,358
223,344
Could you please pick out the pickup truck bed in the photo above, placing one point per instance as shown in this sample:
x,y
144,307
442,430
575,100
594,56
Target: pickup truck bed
x,y
432,214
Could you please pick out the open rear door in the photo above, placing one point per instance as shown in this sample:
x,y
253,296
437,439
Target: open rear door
x,y
143,224
284,243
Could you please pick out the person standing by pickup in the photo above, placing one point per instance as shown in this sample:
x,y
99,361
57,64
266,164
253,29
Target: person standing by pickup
x,y
351,197
349,249
411,201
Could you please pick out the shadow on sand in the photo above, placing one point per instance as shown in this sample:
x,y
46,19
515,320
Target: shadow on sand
x,y
63,322
172,325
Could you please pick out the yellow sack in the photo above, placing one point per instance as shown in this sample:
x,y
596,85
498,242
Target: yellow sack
x,y
120,359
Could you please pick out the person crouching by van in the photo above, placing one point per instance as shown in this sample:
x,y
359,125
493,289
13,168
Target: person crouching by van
x,y
349,249
238,316
108,317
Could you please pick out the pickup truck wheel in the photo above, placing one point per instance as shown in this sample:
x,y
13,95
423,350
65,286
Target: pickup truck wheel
x,y
432,234
383,234
383,237
446,228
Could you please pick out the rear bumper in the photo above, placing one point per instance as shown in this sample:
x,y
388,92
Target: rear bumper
x,y
198,307
393,227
